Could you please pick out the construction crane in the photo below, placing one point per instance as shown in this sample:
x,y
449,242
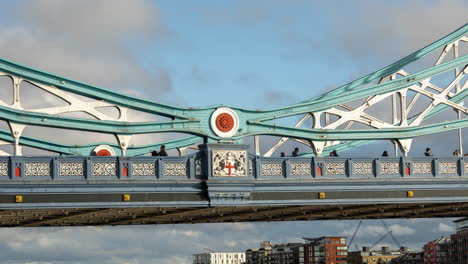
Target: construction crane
x,y
354,234
378,241
391,234
209,250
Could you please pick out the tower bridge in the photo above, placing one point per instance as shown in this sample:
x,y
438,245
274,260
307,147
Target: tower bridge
x,y
50,191
217,178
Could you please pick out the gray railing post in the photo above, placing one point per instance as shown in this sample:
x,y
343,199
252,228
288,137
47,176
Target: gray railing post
x,y
54,170
287,168
349,168
89,168
160,166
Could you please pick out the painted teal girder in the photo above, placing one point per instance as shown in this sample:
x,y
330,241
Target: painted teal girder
x,y
196,121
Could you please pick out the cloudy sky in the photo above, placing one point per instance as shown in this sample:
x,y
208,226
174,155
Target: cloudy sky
x,y
255,54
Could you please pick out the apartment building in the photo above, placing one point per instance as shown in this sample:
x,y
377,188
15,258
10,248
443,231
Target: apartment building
x,y
219,258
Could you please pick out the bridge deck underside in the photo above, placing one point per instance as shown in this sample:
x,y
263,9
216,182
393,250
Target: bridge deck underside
x,y
184,215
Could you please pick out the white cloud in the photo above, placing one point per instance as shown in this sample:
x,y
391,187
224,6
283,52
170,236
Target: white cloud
x,y
86,40
446,228
400,230
230,243
241,226
191,233
380,230
96,18
371,231
396,28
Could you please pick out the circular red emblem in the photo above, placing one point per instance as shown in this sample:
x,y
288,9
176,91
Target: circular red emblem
x,y
103,152
224,122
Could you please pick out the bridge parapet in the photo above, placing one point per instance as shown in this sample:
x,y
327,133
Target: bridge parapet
x,y
298,180
97,168
258,168
355,168
219,175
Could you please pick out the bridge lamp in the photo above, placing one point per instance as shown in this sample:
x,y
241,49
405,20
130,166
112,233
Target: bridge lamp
x,y
410,194
126,197
18,198
322,195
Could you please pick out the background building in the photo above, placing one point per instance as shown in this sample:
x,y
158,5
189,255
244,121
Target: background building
x,y
382,256
409,258
258,255
458,247
323,250
219,258
437,251
274,254
282,253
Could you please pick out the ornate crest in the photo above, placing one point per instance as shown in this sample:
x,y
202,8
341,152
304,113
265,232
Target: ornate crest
x,y
229,163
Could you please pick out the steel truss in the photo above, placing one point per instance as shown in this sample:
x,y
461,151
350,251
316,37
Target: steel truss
x,y
340,119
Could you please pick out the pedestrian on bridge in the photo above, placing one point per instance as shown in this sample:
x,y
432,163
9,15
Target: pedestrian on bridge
x,y
385,154
295,153
428,152
456,153
162,151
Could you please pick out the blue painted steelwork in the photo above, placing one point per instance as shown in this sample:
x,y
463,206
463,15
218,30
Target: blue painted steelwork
x,y
53,173
197,124
292,181
84,150
198,121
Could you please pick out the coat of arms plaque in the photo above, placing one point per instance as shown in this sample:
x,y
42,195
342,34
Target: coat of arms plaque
x,y
229,163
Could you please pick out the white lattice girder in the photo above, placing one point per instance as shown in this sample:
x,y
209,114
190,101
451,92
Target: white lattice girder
x,y
347,115
74,105
353,115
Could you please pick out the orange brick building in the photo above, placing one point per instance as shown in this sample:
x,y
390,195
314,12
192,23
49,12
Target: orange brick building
x,y
382,256
322,250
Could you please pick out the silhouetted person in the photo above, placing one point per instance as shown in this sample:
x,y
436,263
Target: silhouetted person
x,y
331,154
295,153
154,153
162,151
282,154
334,154
385,154
428,152
456,153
